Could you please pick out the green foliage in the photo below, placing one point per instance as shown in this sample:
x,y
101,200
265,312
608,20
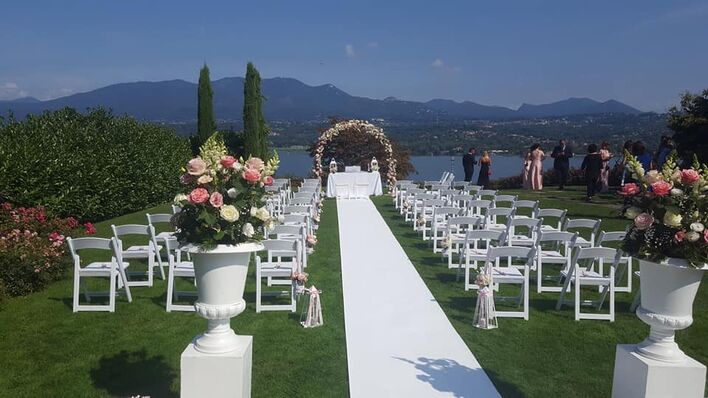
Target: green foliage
x,y
93,166
690,126
255,130
206,121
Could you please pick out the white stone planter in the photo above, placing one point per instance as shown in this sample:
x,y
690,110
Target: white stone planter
x,y
221,278
668,291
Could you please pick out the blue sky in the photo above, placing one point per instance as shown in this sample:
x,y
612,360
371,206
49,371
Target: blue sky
x,y
643,53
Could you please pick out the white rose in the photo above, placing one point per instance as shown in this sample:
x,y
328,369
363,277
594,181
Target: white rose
x,y
269,223
262,214
676,192
232,192
630,213
672,219
254,211
229,213
179,198
237,166
248,230
698,227
693,236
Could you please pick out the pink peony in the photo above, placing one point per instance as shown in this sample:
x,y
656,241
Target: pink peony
x,y
89,228
268,181
630,189
643,221
251,175
198,195
689,176
255,164
196,167
186,179
679,236
72,223
661,188
216,199
228,161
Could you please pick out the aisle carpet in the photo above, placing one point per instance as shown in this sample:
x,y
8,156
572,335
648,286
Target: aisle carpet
x,y
399,341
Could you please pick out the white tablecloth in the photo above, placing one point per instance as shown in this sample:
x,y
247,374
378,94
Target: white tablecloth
x,y
350,180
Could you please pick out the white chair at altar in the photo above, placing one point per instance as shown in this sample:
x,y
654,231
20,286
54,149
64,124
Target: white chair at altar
x,y
354,184
512,274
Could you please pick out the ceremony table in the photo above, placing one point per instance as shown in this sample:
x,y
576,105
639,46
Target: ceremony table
x,y
354,183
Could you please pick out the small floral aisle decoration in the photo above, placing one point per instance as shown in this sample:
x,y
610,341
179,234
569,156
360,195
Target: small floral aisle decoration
x,y
299,280
670,212
484,313
223,202
311,316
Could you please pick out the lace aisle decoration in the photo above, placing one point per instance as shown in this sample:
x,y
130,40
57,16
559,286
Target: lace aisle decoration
x,y
311,316
485,316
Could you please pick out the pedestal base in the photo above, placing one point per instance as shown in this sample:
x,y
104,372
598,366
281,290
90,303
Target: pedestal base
x,y
217,375
640,377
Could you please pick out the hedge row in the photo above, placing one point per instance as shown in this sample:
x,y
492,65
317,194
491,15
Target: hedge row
x,y
94,166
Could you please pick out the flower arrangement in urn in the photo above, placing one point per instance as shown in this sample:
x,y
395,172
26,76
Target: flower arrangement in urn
x,y
670,212
224,198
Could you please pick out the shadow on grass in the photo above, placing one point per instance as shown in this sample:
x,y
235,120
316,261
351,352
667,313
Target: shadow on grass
x,y
134,373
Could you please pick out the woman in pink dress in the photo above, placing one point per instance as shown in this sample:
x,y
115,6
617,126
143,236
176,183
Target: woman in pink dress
x,y
606,155
536,168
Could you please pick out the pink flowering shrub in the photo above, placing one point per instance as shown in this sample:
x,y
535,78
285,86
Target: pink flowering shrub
x,y
32,248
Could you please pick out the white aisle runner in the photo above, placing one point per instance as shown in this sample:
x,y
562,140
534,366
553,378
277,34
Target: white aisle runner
x,y
399,341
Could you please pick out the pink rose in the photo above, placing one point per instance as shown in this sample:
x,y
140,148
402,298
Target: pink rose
x,y
689,176
679,236
251,175
255,164
196,167
228,161
661,188
705,235
268,181
89,229
216,199
630,189
198,195
186,179
643,221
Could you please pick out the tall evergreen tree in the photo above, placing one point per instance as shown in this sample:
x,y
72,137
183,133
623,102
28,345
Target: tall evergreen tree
x,y
255,130
206,122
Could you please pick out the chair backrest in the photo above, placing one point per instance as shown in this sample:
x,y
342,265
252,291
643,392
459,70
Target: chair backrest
x,y
614,237
476,236
295,230
276,248
494,212
500,199
439,187
78,244
597,255
132,229
474,189
532,225
557,239
526,254
445,212
158,218
301,201
296,209
478,207
432,203
424,196
532,205
295,219
470,221
308,189
309,196
176,209
461,200
484,193
583,223
547,214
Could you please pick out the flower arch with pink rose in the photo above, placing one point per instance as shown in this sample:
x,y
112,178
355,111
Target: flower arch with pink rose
x,y
362,127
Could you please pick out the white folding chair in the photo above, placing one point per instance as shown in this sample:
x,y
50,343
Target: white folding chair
x,y
501,200
178,269
526,209
491,219
474,189
147,252
427,209
292,233
474,249
478,207
486,194
438,225
548,216
456,234
161,218
523,231
114,270
583,224
612,239
554,247
579,274
282,260
511,275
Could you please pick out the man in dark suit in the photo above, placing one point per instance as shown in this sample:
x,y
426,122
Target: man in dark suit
x,y
561,163
468,163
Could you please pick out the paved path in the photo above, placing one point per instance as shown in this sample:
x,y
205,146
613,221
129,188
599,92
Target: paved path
x,y
399,341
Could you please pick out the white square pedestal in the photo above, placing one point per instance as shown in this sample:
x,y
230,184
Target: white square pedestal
x,y
217,376
636,376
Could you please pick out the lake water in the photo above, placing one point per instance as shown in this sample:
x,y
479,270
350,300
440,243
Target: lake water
x,y
299,163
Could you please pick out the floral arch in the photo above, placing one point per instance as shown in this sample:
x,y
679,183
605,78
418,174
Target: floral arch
x,y
362,127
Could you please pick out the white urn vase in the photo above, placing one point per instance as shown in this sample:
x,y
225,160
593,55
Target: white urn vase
x,y
221,278
667,293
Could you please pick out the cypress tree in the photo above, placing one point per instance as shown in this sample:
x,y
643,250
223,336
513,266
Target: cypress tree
x,y
255,130
206,122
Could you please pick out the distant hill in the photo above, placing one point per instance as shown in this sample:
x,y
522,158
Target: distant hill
x,y
291,100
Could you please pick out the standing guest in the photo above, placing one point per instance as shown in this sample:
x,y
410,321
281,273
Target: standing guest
x,y
626,177
592,165
639,150
665,148
606,155
525,173
484,170
468,163
536,169
562,154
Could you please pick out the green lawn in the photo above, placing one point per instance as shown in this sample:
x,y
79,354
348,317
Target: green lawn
x,y
49,351
550,355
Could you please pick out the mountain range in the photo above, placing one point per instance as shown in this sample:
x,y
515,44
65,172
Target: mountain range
x,y
289,99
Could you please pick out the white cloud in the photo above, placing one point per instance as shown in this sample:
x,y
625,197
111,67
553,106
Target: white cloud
x,y
10,90
438,63
349,51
